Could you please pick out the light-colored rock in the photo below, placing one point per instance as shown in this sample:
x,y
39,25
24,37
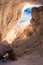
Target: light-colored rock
x,y
21,47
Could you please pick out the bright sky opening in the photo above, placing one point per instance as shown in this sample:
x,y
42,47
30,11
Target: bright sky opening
x,y
21,25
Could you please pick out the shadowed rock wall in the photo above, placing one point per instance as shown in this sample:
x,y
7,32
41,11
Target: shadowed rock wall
x,y
35,43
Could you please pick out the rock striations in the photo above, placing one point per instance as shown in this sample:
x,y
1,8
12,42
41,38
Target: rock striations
x,y
33,43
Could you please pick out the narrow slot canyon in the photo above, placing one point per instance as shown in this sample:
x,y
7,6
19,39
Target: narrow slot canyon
x,y
21,32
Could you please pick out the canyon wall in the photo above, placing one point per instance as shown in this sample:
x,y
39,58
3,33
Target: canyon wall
x,y
10,13
29,45
33,44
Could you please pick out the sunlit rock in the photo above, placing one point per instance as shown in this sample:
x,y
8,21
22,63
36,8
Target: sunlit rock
x,y
11,13
26,46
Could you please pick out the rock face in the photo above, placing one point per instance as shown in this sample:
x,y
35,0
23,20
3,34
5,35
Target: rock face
x,y
26,46
34,44
10,12
8,15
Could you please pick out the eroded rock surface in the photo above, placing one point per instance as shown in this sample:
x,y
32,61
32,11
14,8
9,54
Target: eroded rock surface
x,y
35,43
10,12
26,46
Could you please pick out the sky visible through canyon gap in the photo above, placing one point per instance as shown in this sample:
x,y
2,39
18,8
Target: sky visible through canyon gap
x,y
26,16
22,23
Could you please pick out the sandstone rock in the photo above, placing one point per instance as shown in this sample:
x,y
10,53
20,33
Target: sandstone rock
x,y
27,46
23,47
10,12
